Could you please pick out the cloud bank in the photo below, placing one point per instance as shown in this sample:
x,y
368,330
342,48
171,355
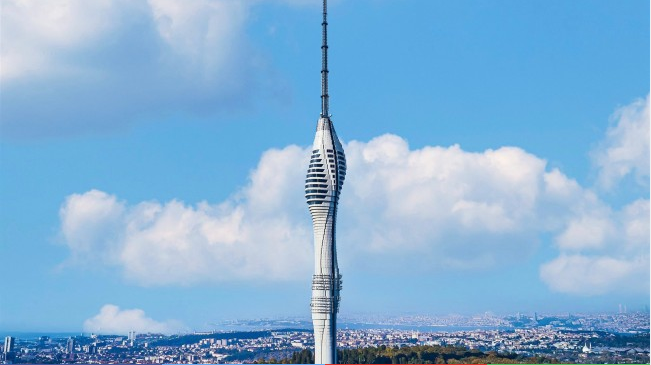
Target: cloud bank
x,y
113,320
625,150
403,209
102,65
255,235
603,250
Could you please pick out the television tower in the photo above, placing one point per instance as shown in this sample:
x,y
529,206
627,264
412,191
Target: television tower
x,y
325,178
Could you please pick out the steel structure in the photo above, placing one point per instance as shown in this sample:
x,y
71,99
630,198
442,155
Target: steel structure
x,y
325,178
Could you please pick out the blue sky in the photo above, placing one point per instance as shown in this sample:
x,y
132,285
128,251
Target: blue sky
x,y
152,158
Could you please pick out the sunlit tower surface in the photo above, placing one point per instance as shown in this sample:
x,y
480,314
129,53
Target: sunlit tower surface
x,y
325,178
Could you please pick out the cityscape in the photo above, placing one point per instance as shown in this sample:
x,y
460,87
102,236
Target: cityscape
x,y
567,338
161,203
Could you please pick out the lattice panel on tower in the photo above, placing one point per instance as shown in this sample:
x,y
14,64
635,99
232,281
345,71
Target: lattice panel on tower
x,y
322,282
323,305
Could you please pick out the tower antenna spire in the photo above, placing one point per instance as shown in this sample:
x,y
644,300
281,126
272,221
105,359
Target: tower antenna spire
x,y
325,98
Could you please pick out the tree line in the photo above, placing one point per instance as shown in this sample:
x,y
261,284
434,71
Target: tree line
x,y
414,355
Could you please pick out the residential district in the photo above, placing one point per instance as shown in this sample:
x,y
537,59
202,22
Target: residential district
x,y
571,338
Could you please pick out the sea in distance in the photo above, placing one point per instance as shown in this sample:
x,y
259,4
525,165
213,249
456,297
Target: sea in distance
x,y
36,335
299,326
360,326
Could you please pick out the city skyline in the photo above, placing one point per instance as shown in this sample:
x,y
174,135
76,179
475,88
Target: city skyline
x,y
614,338
153,157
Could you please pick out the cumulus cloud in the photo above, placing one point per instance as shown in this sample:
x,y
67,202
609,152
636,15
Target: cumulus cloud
x,y
113,320
39,37
258,234
602,251
91,224
592,275
430,208
625,150
102,65
34,30
445,202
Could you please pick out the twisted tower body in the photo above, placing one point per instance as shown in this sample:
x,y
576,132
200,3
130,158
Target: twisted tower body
x,y
325,178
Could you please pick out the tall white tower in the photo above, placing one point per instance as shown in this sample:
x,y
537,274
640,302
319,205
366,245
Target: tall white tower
x,y
325,177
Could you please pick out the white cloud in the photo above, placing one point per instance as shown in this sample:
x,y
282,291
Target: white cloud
x,y
592,275
430,208
39,36
103,65
585,233
258,234
602,251
33,32
422,198
112,320
625,150
635,225
90,224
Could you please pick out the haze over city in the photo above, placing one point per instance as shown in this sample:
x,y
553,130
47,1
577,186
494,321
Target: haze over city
x,y
153,159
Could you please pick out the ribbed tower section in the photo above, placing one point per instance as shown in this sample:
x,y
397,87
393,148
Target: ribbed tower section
x,y
325,178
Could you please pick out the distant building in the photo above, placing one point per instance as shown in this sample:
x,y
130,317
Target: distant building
x,y
44,340
90,349
70,348
9,349
10,343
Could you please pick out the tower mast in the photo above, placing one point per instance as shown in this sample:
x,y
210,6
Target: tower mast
x,y
325,98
